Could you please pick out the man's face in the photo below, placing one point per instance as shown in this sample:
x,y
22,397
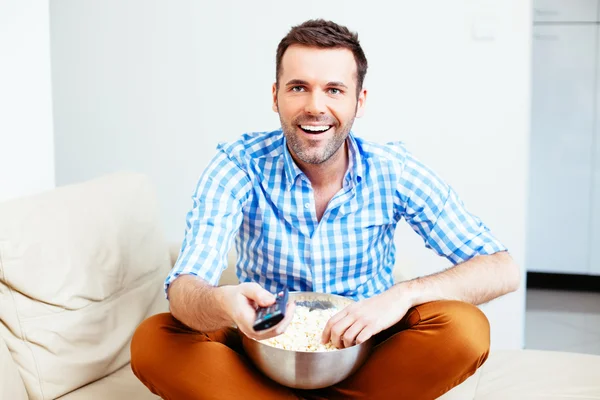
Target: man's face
x,y
317,101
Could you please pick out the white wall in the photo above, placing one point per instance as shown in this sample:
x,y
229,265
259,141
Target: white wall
x,y
26,138
154,86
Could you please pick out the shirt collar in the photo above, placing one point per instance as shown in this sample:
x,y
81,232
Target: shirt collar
x,y
291,170
355,162
355,167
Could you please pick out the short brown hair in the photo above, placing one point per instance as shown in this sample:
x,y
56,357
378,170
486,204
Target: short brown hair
x,y
324,34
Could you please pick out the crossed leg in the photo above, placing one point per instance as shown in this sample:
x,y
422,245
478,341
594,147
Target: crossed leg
x,y
435,347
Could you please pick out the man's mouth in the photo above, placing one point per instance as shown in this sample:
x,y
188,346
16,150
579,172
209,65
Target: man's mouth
x,y
314,129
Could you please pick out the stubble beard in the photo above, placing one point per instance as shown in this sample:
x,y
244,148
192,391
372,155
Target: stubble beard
x,y
304,150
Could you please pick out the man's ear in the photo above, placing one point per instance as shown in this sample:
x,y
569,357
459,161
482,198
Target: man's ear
x,y
275,98
360,107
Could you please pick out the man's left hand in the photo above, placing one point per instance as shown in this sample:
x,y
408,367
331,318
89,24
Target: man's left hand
x,y
356,323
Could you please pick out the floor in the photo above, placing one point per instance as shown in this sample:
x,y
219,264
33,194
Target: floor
x,y
563,321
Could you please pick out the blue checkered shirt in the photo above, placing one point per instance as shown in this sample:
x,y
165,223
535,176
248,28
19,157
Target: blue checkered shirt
x,y
253,191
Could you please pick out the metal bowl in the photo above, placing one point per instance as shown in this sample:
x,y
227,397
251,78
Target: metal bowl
x,y
308,370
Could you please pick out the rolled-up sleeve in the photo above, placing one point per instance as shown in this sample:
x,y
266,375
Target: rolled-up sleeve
x,y
212,222
434,211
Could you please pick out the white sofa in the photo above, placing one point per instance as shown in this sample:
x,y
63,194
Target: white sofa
x,y
81,266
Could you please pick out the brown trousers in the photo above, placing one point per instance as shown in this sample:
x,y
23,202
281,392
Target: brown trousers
x,y
435,347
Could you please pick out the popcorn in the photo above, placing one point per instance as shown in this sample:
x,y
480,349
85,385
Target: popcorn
x,y
304,332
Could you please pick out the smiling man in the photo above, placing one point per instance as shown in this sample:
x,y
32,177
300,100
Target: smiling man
x,y
314,207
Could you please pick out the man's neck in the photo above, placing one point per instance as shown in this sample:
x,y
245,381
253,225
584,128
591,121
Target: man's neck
x,y
328,173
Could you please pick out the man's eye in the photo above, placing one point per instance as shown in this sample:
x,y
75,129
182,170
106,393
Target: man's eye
x,y
297,89
335,91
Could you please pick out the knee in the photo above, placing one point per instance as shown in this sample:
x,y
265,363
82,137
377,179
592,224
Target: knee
x,y
467,329
146,339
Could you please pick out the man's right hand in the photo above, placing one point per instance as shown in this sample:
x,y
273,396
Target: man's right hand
x,y
240,303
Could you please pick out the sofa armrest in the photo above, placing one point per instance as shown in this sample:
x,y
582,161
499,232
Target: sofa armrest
x,y
11,384
227,278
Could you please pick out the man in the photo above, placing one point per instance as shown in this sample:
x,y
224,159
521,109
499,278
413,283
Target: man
x,y
314,207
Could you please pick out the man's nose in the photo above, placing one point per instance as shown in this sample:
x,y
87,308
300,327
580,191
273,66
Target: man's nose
x,y
315,104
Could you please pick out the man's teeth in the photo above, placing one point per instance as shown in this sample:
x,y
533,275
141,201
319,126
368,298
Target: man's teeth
x,y
312,128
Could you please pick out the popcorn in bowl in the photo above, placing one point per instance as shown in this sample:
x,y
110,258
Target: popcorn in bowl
x,y
305,330
297,358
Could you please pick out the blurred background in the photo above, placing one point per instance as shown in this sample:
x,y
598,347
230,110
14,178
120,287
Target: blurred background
x,y
498,96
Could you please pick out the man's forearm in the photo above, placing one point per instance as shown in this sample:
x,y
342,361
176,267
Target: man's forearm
x,y
477,281
197,304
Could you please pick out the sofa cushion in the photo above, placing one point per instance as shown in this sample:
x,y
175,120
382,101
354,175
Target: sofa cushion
x,y
539,375
80,267
464,391
532,375
507,374
120,385
11,384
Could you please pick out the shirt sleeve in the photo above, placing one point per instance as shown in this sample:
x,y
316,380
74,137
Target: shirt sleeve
x,y
214,219
434,211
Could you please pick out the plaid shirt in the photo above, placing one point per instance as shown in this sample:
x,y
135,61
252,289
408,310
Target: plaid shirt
x,y
252,190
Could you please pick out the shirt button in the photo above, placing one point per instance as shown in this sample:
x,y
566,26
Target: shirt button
x,y
307,205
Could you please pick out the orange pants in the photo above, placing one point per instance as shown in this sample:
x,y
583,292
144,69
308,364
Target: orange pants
x,y
435,347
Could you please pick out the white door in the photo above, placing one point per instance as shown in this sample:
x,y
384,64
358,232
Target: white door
x,y
595,203
565,10
595,231
563,80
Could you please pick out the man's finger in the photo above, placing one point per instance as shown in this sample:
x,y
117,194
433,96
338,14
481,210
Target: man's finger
x,y
326,336
245,320
364,335
338,330
349,337
289,316
254,291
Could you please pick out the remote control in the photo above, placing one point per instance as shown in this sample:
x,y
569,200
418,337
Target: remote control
x,y
267,317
